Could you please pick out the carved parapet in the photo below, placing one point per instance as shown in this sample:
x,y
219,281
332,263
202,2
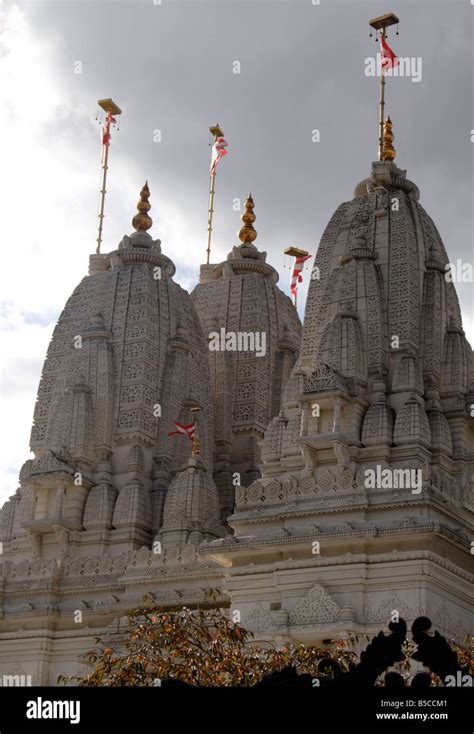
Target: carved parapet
x,y
322,379
319,609
51,462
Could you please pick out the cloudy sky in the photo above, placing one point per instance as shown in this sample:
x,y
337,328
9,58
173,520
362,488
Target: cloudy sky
x,y
171,67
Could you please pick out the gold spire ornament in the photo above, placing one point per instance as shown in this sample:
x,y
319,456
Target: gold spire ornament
x,y
196,443
247,234
388,151
141,221
196,446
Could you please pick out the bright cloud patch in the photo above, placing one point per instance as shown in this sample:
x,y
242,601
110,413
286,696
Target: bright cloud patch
x,y
51,150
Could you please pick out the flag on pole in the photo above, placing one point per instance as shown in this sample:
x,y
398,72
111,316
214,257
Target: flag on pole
x,y
109,120
296,276
218,152
389,59
188,431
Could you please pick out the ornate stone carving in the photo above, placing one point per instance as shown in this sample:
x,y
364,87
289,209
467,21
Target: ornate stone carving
x,y
345,479
259,620
446,618
318,608
53,462
378,424
327,481
308,485
272,490
390,603
321,379
411,424
254,492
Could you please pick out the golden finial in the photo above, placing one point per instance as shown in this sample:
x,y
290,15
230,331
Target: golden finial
x,y
388,151
142,221
247,234
196,445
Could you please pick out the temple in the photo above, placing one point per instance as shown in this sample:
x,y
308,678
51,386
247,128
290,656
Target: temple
x,y
272,509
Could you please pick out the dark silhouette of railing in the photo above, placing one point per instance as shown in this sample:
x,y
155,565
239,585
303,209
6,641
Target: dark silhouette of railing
x,y
433,651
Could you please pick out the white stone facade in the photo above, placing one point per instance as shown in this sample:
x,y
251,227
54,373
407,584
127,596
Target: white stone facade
x,y
311,550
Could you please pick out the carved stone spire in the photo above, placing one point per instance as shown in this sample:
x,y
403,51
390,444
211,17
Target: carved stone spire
x,y
247,233
142,221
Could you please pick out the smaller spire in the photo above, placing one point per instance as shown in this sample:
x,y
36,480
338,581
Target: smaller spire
x,y
141,221
247,233
388,151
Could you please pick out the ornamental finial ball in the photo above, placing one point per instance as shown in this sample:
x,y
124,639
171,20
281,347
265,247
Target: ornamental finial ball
x,y
141,221
247,233
388,151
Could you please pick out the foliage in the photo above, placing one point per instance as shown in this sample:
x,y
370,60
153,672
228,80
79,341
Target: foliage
x,y
200,648
204,648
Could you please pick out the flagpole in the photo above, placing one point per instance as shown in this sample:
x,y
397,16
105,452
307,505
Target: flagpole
x,y
381,24
382,105
110,109
217,132
103,191
211,211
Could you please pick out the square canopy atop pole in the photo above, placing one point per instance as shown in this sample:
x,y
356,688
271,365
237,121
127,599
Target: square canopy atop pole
x,y
383,21
108,105
295,252
216,131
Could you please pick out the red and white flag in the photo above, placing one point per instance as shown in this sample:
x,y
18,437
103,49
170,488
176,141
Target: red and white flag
x,y
296,276
188,431
218,152
389,59
109,120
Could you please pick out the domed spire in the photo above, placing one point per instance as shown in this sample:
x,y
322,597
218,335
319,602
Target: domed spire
x,y
247,233
388,151
142,221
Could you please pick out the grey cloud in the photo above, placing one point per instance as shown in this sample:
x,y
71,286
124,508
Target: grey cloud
x,y
302,67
